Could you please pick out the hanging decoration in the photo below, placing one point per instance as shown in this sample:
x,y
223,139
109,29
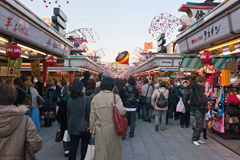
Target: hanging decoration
x,y
13,51
55,3
206,57
87,35
51,61
123,58
164,23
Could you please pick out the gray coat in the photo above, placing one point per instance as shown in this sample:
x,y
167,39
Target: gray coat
x,y
75,111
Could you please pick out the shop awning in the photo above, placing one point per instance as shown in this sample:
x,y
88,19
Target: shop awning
x,y
194,63
55,69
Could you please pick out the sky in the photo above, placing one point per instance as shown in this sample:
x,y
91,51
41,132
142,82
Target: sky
x,y
122,25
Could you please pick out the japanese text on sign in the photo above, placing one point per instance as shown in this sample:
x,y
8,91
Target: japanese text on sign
x,y
20,28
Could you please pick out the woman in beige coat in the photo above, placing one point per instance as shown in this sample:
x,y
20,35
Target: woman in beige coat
x,y
160,112
107,143
16,128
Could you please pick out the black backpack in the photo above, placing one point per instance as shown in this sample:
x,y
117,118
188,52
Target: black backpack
x,y
131,97
162,102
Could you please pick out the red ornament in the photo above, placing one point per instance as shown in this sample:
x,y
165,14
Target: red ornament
x,y
67,1
49,2
206,57
51,61
46,6
143,74
44,1
13,51
151,73
55,1
59,6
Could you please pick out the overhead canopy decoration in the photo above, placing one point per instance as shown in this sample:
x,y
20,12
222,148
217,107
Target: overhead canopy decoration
x,y
123,58
54,2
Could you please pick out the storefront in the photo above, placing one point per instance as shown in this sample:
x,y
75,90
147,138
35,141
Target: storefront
x,y
37,39
157,66
217,32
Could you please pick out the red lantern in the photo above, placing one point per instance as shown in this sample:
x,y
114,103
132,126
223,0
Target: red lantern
x,y
146,73
206,57
138,75
13,51
143,74
151,73
92,73
51,61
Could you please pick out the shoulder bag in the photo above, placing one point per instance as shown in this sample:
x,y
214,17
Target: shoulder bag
x,y
59,135
120,122
143,99
232,66
84,125
28,151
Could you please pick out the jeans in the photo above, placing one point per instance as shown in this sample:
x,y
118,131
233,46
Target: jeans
x,y
85,138
147,109
140,110
185,118
199,118
131,117
163,115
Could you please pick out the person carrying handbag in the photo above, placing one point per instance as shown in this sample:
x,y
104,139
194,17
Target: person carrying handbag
x,y
147,91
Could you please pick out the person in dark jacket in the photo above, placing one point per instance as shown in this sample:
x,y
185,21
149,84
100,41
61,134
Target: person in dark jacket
x,y
51,97
37,85
65,88
86,76
198,105
175,98
170,103
21,90
56,86
130,102
91,86
75,108
119,84
185,97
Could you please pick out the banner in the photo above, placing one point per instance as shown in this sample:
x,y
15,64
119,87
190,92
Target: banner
x,y
35,67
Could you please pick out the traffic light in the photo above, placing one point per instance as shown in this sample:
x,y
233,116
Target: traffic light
x,y
160,43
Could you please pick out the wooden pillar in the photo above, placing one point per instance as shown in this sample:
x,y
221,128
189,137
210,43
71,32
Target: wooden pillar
x,y
45,71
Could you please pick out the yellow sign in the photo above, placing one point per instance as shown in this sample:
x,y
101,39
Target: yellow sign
x,y
165,79
225,81
35,67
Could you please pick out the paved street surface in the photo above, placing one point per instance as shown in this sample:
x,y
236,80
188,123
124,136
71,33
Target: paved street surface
x,y
172,144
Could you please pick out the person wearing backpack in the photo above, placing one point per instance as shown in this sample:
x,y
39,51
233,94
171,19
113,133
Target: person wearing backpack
x,y
130,102
160,103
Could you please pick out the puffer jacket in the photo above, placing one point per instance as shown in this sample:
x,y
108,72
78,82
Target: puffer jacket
x,y
130,95
197,98
14,130
185,95
50,98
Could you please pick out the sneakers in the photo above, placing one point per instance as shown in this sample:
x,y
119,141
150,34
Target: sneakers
x,y
66,153
156,128
201,142
196,143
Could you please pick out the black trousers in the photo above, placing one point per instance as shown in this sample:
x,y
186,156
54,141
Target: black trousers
x,y
185,118
85,138
131,117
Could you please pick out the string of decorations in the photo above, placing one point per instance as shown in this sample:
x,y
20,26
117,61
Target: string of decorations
x,y
54,2
164,23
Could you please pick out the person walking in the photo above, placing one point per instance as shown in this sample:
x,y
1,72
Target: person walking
x,y
37,85
170,101
56,86
91,86
185,97
176,98
198,105
147,91
51,97
75,110
130,102
16,127
34,112
65,89
140,105
108,144
160,111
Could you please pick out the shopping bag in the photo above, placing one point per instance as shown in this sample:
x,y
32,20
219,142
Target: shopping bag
x,y
66,137
180,107
232,66
90,150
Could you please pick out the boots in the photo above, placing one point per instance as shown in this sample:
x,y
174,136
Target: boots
x,y
205,133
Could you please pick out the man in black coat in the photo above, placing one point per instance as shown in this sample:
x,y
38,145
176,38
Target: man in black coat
x,y
176,98
22,91
198,105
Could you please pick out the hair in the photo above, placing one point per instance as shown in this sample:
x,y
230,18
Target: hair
x,y
145,81
24,78
107,84
118,83
131,81
8,94
76,90
33,78
63,82
105,74
100,76
124,82
48,85
28,84
185,81
86,74
91,84
18,81
200,79
54,81
163,84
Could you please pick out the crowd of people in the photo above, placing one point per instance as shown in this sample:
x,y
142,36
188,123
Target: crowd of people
x,y
84,109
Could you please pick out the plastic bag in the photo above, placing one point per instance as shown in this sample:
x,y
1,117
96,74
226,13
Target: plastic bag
x,y
90,150
180,107
66,137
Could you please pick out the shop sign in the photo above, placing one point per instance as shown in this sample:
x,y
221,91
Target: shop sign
x,y
3,71
165,62
210,34
177,62
14,26
35,68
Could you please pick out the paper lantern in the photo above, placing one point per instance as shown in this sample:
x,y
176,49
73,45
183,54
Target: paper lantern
x,y
143,74
206,57
152,73
146,73
51,61
13,51
138,75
